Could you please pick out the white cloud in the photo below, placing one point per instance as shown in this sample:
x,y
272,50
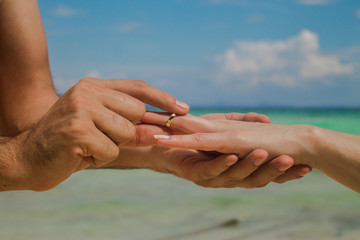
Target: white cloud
x,y
357,13
93,74
64,11
128,27
283,62
62,85
315,2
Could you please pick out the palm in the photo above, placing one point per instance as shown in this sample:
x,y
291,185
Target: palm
x,y
192,164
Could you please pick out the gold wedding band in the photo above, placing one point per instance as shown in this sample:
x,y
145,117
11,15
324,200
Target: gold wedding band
x,y
171,118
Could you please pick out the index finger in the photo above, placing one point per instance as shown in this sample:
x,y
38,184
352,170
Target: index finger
x,y
246,117
148,94
181,124
219,142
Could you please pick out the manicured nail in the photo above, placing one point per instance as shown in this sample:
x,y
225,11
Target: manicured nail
x,y
161,136
283,168
182,105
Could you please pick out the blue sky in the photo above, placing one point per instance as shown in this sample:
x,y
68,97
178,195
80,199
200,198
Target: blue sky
x,y
213,52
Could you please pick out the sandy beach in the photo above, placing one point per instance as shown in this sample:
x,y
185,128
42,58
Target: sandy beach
x,y
140,204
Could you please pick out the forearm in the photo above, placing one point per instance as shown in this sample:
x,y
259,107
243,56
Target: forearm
x,y
12,170
26,89
338,156
140,157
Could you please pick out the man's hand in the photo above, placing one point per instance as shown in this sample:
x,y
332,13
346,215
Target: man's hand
x,y
226,170
85,127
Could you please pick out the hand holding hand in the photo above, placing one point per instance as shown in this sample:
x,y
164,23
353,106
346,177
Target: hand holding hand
x,y
85,127
252,170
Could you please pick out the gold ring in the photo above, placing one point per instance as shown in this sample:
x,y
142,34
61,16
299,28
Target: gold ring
x,y
171,118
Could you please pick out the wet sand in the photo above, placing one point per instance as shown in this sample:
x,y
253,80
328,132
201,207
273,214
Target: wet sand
x,y
139,204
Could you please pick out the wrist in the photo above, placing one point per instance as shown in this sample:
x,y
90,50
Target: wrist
x,y
14,174
153,158
311,142
160,156
139,157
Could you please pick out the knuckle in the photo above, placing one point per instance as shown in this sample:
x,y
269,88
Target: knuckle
x,y
140,111
200,137
82,85
116,119
129,131
77,102
85,85
77,150
76,127
140,83
231,116
113,152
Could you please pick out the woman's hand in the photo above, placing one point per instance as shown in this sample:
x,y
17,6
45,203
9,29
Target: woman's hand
x,y
228,136
333,153
279,169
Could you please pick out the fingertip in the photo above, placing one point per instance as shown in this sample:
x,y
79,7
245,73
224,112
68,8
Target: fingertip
x,y
264,119
182,108
285,162
286,159
305,170
260,153
231,160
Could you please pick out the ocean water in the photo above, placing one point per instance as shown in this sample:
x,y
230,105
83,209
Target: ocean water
x,y
140,204
343,120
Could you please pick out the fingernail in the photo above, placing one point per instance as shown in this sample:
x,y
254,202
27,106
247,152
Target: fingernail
x,y
283,168
161,136
182,105
305,171
258,162
230,162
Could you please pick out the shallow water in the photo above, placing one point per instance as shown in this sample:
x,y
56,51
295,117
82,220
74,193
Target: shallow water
x,y
140,204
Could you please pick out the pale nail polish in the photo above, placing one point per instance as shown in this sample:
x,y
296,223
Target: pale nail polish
x,y
182,105
161,136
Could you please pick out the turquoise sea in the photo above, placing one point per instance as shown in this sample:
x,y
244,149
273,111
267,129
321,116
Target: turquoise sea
x,y
343,120
140,204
